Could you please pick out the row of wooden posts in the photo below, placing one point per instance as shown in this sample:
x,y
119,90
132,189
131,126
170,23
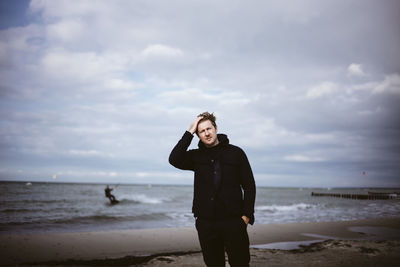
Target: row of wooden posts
x,y
370,196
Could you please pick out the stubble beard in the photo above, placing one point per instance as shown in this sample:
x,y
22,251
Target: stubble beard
x,y
210,142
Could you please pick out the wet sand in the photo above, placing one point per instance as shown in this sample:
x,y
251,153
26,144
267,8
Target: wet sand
x,y
370,242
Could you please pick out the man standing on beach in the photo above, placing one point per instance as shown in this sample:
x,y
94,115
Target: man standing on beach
x,y
224,192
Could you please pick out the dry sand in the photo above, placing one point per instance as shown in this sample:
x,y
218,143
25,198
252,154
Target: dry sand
x,y
374,242
328,253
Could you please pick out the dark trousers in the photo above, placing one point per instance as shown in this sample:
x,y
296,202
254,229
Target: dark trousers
x,y
218,236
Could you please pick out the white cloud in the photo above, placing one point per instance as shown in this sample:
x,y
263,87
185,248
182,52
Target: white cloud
x,y
116,83
391,84
88,153
196,97
67,30
302,158
355,70
64,9
161,51
20,46
258,131
370,112
88,67
321,138
321,90
3,52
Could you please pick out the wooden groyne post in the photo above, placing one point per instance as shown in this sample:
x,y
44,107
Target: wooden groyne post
x,y
357,196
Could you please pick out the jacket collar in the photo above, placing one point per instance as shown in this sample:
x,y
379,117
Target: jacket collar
x,y
222,139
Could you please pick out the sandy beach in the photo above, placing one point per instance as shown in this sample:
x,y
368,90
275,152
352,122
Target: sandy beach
x,y
369,242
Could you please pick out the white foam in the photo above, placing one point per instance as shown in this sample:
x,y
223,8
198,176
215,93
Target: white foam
x,y
142,198
284,208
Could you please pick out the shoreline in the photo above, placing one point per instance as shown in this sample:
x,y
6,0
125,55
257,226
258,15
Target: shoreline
x,y
146,245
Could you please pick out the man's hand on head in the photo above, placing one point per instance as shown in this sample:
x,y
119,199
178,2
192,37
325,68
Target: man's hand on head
x,y
193,125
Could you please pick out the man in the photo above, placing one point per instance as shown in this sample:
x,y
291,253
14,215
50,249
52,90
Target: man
x,y
110,196
224,192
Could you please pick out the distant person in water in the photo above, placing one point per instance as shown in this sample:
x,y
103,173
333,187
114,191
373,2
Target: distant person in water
x,y
110,196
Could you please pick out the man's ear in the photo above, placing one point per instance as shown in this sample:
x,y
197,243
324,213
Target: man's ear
x,y
216,128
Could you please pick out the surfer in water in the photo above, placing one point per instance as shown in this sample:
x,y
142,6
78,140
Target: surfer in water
x,y
110,196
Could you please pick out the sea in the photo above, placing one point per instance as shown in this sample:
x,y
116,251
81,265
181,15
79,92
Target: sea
x,y
30,207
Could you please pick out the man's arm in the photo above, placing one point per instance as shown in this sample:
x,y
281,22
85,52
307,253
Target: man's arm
x,y
180,157
249,189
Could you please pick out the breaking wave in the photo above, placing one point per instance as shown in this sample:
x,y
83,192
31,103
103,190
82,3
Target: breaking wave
x,y
284,208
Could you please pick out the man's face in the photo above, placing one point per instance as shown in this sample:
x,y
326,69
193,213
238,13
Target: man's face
x,y
207,133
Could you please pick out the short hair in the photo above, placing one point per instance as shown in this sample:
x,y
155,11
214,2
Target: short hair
x,y
208,116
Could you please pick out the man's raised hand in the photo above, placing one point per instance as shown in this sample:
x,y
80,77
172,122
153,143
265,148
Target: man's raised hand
x,y
193,125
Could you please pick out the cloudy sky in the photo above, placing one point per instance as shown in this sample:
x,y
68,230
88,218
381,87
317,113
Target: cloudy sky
x,y
101,91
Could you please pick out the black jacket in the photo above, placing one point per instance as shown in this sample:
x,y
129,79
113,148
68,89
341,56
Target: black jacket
x,y
236,189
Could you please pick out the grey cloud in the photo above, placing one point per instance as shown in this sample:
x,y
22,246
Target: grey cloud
x,y
105,90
